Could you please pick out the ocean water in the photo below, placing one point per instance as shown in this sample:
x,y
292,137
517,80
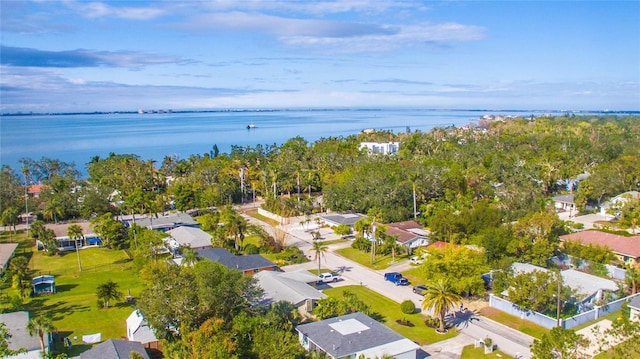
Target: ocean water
x,y
77,138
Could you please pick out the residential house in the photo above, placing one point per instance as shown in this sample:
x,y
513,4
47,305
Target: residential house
x,y
6,253
627,249
194,238
138,330
634,308
565,203
611,208
354,335
336,219
88,239
248,264
409,234
16,324
292,287
35,190
589,288
165,223
383,148
115,349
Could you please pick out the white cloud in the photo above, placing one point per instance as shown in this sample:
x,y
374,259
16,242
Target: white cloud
x,y
100,9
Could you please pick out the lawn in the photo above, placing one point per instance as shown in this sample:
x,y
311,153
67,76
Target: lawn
x,y
469,352
74,307
390,312
516,323
381,262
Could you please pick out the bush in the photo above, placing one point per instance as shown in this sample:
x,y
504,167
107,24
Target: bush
x,y
251,249
432,322
407,307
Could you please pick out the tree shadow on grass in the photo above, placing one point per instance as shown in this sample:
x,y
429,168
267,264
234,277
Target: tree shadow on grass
x,y
65,287
58,310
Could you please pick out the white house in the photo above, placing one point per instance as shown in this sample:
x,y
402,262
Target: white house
x,y
290,287
611,208
387,148
353,335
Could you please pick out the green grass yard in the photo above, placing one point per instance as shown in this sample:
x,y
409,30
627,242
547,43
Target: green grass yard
x,y
74,307
390,312
516,323
469,352
381,262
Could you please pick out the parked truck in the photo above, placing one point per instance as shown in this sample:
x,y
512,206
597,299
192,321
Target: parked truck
x,y
397,278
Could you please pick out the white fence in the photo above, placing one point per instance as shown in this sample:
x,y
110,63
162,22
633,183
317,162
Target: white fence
x,y
548,322
275,217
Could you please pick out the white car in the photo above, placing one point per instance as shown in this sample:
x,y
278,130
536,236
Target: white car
x,y
327,277
416,260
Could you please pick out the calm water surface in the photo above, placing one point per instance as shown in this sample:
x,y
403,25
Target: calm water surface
x,y
77,138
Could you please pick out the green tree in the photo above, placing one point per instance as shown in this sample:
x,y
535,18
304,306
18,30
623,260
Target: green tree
x,y
75,233
108,291
439,298
560,343
10,218
49,241
319,249
336,306
623,338
342,230
20,275
40,325
111,232
4,343
461,267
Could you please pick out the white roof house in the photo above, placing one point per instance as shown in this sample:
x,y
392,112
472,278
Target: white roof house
x,y
353,335
290,287
195,238
138,330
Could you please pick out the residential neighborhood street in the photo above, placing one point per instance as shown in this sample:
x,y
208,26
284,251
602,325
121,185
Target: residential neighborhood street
x,y
472,327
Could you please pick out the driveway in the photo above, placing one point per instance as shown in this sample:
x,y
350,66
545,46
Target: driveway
x,y
472,327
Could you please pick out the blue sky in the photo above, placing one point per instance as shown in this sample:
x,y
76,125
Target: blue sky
x,y
60,56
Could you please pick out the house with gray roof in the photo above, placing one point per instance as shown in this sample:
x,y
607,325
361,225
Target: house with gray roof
x,y
565,202
589,288
6,253
16,324
353,335
336,219
194,238
166,223
248,264
634,308
115,349
138,330
292,287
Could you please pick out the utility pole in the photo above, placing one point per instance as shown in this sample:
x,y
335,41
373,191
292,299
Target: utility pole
x,y
558,299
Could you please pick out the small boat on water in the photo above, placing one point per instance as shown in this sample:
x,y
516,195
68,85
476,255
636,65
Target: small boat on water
x,y
250,126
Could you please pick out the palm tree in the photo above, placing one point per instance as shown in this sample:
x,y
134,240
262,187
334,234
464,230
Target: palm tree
x,y
189,257
21,280
75,232
319,248
39,326
440,298
108,291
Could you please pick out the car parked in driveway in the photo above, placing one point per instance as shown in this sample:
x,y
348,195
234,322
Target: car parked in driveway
x,y
397,278
416,260
327,277
420,289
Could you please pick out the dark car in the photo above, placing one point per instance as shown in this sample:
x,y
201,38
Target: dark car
x,y
420,289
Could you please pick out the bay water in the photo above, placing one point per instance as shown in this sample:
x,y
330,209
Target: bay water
x,y
79,137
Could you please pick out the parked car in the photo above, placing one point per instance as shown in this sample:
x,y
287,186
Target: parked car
x,y
397,278
416,260
420,289
327,277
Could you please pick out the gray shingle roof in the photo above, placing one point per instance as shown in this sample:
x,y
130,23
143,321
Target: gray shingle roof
x,y
114,349
6,252
353,333
280,287
16,323
191,237
338,218
243,263
635,302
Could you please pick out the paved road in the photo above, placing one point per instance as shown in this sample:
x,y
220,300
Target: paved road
x,y
472,327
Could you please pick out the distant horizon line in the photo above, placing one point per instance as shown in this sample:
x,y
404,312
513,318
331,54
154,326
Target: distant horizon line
x,y
285,109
